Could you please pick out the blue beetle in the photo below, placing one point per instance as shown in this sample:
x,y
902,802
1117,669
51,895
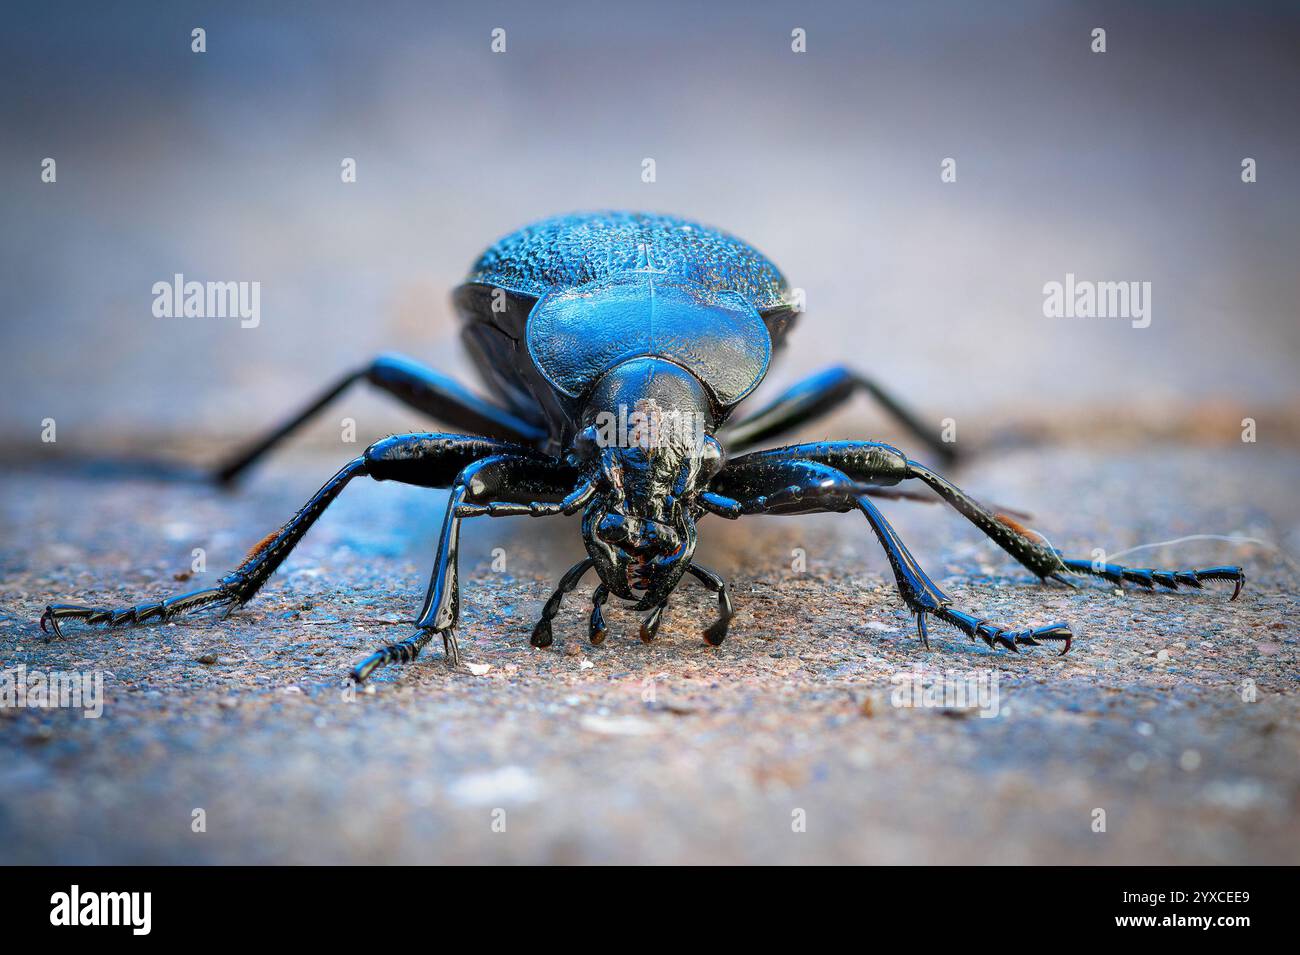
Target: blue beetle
x,y
616,346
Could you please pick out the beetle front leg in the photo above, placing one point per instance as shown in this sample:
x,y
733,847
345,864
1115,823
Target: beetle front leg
x,y
543,636
596,626
650,625
482,489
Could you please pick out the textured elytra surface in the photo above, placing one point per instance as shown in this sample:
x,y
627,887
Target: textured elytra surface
x,y
571,250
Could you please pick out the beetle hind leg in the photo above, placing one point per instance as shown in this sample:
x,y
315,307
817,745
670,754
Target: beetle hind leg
x,y
1149,577
817,396
416,386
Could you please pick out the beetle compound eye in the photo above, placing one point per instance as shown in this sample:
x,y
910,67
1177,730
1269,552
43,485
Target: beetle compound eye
x,y
586,444
712,458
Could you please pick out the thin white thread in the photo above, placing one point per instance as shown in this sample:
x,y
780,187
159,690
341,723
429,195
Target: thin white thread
x,y
1212,537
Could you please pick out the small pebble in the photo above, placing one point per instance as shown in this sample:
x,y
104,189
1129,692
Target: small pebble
x,y
618,725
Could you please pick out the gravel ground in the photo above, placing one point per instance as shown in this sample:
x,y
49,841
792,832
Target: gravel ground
x,y
1174,714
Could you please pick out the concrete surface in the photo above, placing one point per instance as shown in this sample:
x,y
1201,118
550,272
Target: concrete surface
x,y
672,752
1174,714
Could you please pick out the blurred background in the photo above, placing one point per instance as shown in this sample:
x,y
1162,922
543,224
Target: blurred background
x,y
225,166
1123,166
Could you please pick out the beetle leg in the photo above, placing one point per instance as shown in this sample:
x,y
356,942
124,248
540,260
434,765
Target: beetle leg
x,y
782,483
1149,577
866,463
716,632
237,587
813,397
405,651
416,386
542,634
1049,563
922,595
423,459
475,492
160,610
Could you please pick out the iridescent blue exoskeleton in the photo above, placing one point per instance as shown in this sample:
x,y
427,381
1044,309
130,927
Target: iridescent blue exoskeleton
x,y
616,347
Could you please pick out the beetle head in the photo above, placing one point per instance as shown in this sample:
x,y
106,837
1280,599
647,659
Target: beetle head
x,y
646,445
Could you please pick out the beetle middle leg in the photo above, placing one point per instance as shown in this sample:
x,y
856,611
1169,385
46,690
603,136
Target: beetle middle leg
x,y
869,463
789,484
812,477
423,459
650,625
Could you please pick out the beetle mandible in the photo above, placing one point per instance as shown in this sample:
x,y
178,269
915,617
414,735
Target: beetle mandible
x,y
616,346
